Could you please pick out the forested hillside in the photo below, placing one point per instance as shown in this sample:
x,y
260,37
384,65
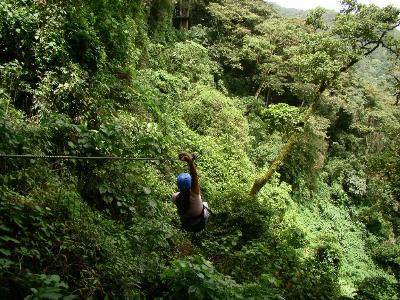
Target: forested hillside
x,y
294,122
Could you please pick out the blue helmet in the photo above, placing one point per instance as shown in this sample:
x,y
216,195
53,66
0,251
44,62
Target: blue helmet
x,y
184,181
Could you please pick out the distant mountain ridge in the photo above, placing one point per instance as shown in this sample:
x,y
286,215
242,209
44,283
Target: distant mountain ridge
x,y
289,12
299,13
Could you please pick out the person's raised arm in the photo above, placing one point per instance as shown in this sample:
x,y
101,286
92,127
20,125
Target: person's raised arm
x,y
192,170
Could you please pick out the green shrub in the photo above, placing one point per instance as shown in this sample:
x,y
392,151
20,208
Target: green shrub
x,y
196,278
52,288
208,112
376,288
388,256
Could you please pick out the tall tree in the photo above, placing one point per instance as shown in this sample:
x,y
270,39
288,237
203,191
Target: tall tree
x,y
358,31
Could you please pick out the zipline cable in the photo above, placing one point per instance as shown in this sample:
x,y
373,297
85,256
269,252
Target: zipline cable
x,y
30,156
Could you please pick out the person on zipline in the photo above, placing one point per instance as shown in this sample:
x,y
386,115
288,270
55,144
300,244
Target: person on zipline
x,y
191,209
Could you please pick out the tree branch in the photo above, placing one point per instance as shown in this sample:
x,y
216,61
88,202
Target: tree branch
x,y
260,88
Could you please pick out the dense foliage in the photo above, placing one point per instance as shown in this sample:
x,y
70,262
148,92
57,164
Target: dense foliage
x,y
246,88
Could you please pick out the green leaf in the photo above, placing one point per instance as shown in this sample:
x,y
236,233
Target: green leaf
x,y
102,189
5,228
51,296
146,190
55,278
182,264
108,199
152,203
9,239
5,252
5,263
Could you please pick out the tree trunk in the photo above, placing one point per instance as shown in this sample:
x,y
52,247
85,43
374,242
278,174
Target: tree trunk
x,y
184,14
268,97
259,91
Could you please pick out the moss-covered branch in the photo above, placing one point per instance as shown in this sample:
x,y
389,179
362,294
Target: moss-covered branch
x,y
286,149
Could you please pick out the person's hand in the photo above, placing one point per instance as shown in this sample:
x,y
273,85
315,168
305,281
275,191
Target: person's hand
x,y
185,157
